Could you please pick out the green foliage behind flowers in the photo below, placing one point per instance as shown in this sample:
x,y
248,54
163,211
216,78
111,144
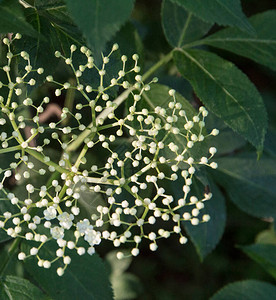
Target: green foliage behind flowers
x,y
95,154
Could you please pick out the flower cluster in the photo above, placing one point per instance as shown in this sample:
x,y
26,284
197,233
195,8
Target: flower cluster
x,y
132,179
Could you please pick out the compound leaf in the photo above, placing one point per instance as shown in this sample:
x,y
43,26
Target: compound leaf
x,y
16,288
206,236
261,48
222,12
180,26
98,19
226,91
249,183
12,19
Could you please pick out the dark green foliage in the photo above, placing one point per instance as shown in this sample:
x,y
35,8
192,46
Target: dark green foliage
x,y
247,290
261,47
264,254
249,183
16,288
218,11
97,19
206,236
220,81
85,279
225,90
180,26
12,18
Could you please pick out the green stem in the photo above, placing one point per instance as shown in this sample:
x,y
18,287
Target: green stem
x,y
193,44
69,100
97,180
14,125
10,149
102,115
40,157
81,155
159,64
9,97
185,29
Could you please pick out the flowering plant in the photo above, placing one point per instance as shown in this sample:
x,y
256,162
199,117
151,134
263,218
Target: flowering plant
x,y
151,149
99,156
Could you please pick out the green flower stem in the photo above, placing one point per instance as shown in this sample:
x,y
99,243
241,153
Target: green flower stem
x,y
9,97
31,137
14,125
98,181
81,155
88,132
69,100
119,100
11,251
40,157
10,149
60,195
103,115
164,60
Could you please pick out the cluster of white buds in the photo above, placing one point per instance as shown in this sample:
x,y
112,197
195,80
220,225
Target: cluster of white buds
x,y
132,181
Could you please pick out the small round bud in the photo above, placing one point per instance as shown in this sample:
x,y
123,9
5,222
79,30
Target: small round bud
x,y
135,251
21,256
120,255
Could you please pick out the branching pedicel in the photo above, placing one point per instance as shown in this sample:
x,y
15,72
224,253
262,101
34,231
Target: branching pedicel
x,y
51,211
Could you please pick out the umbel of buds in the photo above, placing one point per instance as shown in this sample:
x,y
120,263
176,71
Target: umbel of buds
x,y
132,180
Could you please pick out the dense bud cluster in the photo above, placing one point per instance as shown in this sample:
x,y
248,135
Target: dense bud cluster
x,y
132,180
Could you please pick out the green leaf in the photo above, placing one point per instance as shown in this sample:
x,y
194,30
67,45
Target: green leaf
x,y
12,18
158,95
129,43
246,290
56,13
85,277
249,183
227,141
51,5
206,236
181,27
264,254
218,11
56,33
226,91
16,288
261,48
98,19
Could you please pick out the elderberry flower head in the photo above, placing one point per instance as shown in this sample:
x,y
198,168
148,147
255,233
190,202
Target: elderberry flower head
x,y
132,180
